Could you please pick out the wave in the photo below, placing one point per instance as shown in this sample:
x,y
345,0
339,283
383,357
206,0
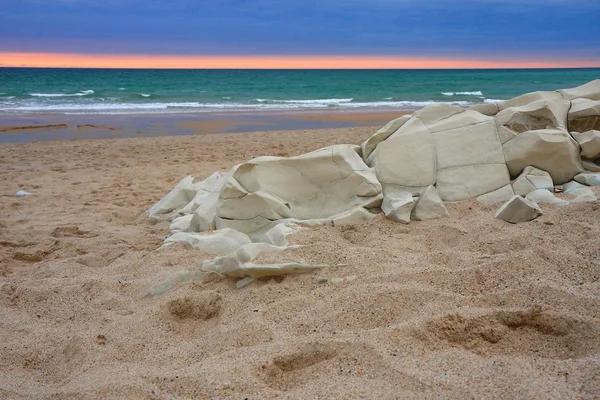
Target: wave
x,y
144,94
308,102
492,101
112,107
82,93
474,93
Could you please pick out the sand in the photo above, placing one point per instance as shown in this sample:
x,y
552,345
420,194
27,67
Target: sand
x,y
464,307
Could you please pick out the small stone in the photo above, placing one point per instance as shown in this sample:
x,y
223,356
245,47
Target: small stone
x,y
518,209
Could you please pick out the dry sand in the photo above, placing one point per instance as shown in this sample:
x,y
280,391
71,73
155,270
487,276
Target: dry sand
x,y
464,307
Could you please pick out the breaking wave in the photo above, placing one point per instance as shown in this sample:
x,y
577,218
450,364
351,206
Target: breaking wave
x,y
82,93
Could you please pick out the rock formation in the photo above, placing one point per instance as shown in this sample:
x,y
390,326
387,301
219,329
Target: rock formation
x,y
438,154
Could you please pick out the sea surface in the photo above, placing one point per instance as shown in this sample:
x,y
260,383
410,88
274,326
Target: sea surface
x,y
123,91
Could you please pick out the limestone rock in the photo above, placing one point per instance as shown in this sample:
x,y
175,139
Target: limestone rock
x,y
518,210
590,90
583,195
219,242
551,150
458,150
497,196
489,109
317,185
406,160
532,179
181,195
185,223
528,98
545,196
382,134
571,187
398,206
429,206
584,115
588,179
538,115
589,142
590,165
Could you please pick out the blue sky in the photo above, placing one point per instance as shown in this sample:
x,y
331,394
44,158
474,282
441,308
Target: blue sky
x,y
490,28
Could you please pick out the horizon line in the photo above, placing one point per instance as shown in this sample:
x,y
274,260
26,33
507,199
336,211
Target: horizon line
x,y
158,61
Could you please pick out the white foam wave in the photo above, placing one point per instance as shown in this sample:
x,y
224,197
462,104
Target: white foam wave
x,y
493,101
134,108
121,88
145,95
308,102
82,93
474,93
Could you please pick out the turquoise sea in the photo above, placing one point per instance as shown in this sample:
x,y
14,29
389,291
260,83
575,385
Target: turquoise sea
x,y
123,91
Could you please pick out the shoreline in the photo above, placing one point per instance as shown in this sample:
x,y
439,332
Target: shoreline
x,y
23,128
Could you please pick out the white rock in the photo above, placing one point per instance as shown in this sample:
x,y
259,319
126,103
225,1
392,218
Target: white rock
x,y
186,223
583,195
518,210
398,206
590,90
497,196
545,196
382,134
406,160
532,179
584,115
588,179
429,206
589,142
570,187
326,183
551,150
218,242
22,193
181,195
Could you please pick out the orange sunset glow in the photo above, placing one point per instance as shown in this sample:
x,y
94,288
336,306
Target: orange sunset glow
x,y
66,60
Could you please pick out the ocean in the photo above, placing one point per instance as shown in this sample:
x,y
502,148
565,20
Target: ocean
x,y
123,91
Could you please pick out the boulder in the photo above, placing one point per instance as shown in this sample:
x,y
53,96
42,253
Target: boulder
x,y
551,150
545,196
382,134
429,206
181,195
532,179
590,90
588,179
528,98
590,165
497,196
538,115
185,223
584,115
518,209
406,160
398,206
489,109
589,142
329,182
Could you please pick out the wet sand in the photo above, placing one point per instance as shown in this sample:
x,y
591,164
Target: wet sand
x,y
28,128
463,307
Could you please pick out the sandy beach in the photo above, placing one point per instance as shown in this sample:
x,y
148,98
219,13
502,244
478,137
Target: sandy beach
x,y
463,307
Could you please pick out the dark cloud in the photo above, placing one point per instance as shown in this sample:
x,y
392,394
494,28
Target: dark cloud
x,y
495,28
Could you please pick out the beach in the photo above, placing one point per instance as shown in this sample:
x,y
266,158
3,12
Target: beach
x,y
463,307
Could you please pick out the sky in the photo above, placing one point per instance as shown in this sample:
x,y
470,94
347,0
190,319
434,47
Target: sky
x,y
300,33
